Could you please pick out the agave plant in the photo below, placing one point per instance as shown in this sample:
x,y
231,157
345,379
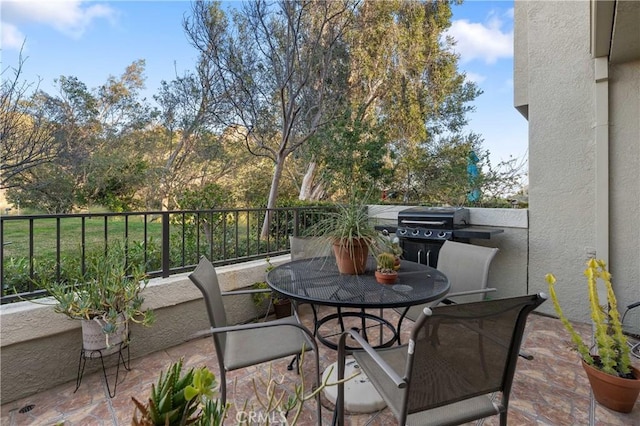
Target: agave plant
x,y
179,400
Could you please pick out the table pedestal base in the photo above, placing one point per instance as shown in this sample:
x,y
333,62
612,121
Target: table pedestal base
x,y
360,396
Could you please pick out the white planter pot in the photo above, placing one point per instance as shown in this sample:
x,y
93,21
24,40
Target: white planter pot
x,y
95,339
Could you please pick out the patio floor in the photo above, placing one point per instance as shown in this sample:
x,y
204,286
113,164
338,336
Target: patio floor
x,y
551,389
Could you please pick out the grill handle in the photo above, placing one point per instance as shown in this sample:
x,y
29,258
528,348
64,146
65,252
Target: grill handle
x,y
428,258
424,222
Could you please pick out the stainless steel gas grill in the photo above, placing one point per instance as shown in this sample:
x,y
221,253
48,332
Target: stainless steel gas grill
x,y
423,230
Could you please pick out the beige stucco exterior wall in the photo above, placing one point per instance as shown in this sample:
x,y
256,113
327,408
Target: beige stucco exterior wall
x,y
624,157
555,81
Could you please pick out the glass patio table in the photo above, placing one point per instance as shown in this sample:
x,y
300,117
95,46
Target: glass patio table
x,y
318,282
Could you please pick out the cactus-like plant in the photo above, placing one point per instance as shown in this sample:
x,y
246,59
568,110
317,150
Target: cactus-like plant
x,y
180,399
611,343
386,262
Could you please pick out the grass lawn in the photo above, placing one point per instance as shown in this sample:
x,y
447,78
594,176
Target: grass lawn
x,y
45,234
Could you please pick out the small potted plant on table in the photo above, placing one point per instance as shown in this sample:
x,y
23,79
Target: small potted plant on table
x,y
386,272
614,381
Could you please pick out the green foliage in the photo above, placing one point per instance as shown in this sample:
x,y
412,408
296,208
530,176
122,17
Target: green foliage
x,y
206,197
611,343
386,262
110,287
260,298
388,112
347,222
180,399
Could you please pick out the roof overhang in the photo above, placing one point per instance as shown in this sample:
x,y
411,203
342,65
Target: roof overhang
x,y
615,30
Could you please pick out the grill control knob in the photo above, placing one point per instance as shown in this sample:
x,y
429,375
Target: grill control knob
x,y
416,232
442,234
427,233
402,231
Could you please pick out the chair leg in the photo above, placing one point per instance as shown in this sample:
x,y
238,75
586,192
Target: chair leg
x,y
294,361
223,387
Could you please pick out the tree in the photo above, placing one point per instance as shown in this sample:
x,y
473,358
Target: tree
x,y
275,63
404,98
27,134
186,141
96,156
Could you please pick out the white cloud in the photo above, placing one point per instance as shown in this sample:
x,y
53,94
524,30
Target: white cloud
x,y
70,17
482,41
11,37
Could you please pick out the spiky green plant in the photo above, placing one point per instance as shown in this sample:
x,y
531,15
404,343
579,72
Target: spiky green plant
x,y
611,343
178,399
386,262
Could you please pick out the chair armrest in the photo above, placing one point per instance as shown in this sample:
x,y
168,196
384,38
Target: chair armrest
x,y
388,370
290,321
468,292
447,300
248,291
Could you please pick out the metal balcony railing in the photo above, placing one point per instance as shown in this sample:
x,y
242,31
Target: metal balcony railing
x,y
34,248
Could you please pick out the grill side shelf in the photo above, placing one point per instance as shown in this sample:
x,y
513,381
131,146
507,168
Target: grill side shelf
x,y
476,232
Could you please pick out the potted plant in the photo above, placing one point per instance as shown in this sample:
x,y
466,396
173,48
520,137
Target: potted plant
x,y
614,381
181,399
392,245
281,305
386,272
106,299
351,234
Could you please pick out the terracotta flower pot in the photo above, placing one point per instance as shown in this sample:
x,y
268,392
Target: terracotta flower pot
x,y
615,393
386,278
351,257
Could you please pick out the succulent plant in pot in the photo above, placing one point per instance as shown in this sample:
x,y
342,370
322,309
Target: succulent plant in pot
x,y
107,299
386,272
614,380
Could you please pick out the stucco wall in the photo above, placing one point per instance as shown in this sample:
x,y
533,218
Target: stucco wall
x,y
561,95
624,157
561,148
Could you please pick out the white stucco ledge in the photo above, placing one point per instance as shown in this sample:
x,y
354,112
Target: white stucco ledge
x,y
478,216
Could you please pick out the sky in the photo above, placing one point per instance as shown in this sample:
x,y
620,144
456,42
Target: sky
x,y
93,40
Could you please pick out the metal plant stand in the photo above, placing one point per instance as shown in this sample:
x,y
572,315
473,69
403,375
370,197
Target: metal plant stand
x,y
101,353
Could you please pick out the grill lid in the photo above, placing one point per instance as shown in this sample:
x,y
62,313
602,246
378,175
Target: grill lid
x,y
431,223
438,217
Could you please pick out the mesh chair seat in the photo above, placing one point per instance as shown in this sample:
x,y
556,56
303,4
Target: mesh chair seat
x,y
444,380
247,347
457,358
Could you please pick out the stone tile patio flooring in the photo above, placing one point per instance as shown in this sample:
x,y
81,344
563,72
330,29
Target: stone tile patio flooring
x,y
551,389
